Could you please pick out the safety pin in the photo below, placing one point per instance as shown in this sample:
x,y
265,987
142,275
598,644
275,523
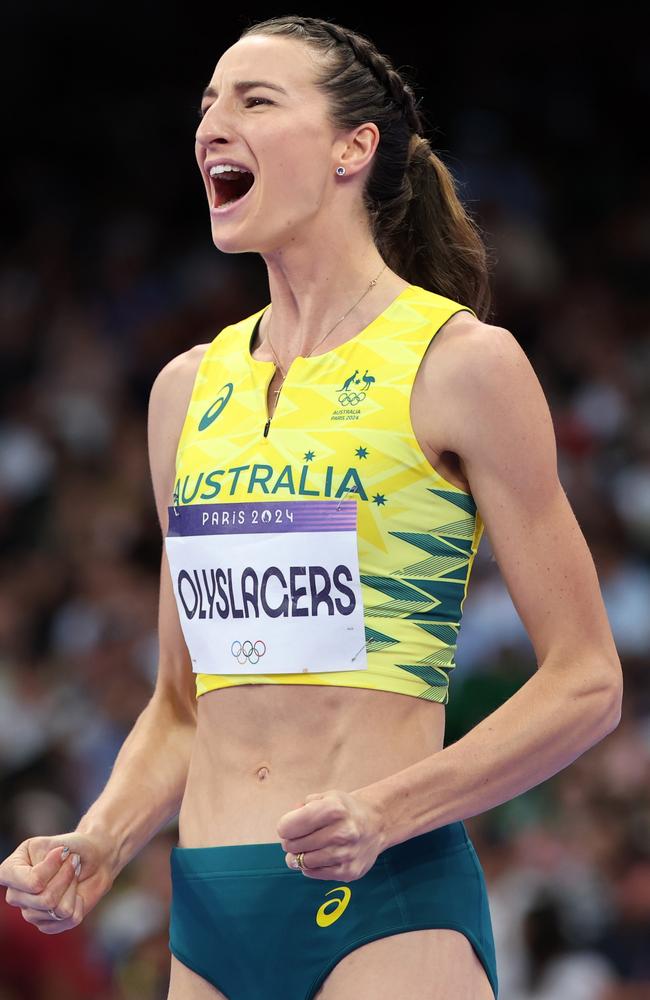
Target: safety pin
x,y
177,513
350,489
364,646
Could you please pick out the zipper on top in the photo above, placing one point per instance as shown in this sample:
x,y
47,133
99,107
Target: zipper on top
x,y
267,425
269,418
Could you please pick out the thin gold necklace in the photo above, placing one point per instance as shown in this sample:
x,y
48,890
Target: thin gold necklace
x,y
284,374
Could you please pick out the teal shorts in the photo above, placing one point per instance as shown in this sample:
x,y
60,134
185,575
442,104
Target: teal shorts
x,y
253,927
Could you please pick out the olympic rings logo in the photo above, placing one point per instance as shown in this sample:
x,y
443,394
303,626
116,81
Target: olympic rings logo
x,y
247,650
351,398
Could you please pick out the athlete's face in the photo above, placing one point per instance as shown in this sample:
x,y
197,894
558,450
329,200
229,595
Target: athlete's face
x,y
281,135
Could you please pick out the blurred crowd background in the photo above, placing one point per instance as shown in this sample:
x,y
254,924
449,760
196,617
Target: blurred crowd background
x,y
107,270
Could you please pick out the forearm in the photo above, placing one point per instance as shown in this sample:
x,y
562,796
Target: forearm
x,y
145,788
544,726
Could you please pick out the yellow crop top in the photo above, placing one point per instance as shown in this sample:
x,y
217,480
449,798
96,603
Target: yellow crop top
x,y
289,540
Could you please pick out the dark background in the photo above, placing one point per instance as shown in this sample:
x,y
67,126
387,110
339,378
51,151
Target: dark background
x,y
107,270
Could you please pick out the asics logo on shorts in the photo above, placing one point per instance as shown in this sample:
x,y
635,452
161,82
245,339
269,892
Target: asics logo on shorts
x,y
324,917
215,408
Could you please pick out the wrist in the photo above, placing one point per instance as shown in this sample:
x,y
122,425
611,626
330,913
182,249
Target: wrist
x,y
373,798
109,842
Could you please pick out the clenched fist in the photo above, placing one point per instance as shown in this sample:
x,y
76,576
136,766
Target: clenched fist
x,y
57,880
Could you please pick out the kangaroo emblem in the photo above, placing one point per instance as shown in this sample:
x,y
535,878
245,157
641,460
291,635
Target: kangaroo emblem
x,y
348,382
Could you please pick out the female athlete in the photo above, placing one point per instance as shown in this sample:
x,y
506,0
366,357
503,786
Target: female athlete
x,y
323,470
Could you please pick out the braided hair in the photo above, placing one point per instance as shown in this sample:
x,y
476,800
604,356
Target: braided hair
x,y
417,221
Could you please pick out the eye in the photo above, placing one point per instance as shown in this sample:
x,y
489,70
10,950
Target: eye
x,y
264,100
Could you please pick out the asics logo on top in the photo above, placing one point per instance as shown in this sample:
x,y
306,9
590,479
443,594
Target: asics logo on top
x,y
215,408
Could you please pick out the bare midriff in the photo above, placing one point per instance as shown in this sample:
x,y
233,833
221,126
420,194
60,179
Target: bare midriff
x,y
261,748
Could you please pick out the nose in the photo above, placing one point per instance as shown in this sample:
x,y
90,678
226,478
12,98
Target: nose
x,y
213,127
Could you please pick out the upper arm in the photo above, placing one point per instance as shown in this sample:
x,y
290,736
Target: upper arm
x,y
168,402
500,425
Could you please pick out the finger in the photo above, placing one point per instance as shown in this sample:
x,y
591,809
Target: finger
x,y
36,853
307,818
36,917
56,926
79,909
313,842
330,873
332,857
48,894
19,872
47,925
44,922
65,906
53,862
68,907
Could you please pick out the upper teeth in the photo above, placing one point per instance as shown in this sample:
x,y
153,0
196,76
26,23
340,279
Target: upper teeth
x,y
222,168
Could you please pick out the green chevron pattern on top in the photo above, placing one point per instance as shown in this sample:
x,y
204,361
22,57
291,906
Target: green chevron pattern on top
x,y
377,640
462,500
399,590
438,590
446,633
401,608
409,601
432,694
436,544
449,595
459,574
437,677
445,554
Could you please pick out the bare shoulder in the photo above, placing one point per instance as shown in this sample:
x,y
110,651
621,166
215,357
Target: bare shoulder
x,y
492,393
477,370
169,398
176,378
464,333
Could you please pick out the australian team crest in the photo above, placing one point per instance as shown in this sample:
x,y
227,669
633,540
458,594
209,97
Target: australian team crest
x,y
351,395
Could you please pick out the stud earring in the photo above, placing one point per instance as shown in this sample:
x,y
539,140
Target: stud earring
x,y
340,170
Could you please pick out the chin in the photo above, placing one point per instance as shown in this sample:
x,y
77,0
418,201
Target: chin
x,y
235,242
232,245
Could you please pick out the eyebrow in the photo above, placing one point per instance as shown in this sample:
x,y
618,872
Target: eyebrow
x,y
241,85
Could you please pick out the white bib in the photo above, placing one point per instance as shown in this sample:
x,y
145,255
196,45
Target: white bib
x,y
268,588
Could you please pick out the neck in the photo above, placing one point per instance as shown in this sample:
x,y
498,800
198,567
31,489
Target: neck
x,y
301,316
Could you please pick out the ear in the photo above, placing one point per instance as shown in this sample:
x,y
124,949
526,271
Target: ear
x,y
359,148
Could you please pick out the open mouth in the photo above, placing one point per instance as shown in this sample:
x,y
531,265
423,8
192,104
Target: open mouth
x,y
231,190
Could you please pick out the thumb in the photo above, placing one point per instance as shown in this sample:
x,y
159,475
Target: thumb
x,y
45,852
14,869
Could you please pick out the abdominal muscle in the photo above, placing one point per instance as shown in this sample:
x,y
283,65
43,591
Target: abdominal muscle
x,y
260,749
